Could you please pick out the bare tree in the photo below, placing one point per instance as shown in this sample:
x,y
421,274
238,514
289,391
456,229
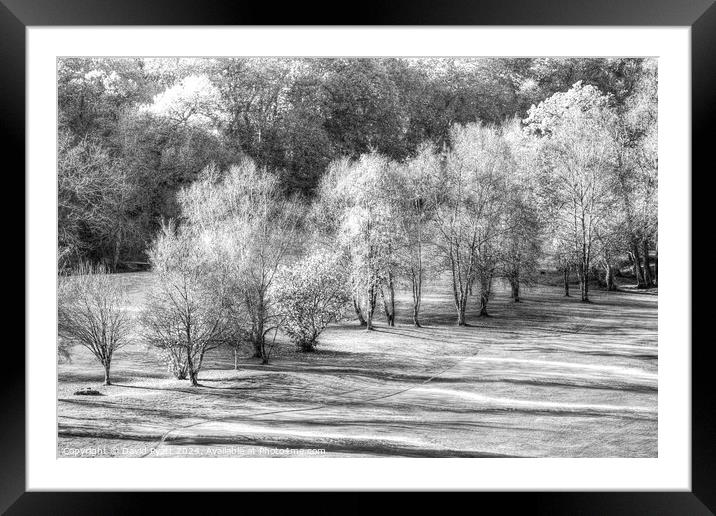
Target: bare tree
x,y
184,317
92,313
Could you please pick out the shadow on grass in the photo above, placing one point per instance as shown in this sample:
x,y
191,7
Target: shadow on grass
x,y
98,377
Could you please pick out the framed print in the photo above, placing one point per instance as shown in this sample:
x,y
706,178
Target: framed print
x,y
419,252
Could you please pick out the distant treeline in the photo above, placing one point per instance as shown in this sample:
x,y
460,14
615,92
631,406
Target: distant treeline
x,y
132,132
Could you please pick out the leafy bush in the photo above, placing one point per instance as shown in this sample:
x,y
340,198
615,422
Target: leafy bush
x,y
311,294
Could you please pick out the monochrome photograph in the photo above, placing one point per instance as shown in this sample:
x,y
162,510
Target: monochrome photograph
x,y
419,257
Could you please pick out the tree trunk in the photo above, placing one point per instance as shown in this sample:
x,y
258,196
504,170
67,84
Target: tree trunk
x,y
460,291
515,285
461,298
392,301
258,336
389,303
371,308
192,378
566,281
485,287
584,282
236,359
262,349
359,313
115,258
483,305
609,277
636,259
257,348
106,374
417,295
648,281
461,315
190,367
179,370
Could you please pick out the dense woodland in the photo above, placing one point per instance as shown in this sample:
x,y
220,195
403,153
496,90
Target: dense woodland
x,y
134,131
277,194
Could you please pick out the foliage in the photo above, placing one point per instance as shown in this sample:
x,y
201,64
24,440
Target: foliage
x,y
184,317
192,101
580,102
413,195
247,229
578,163
92,191
527,213
366,232
470,218
159,121
310,295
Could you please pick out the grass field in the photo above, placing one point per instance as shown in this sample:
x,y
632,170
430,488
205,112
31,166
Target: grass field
x,y
548,377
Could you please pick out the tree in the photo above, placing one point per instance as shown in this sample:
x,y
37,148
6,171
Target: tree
x,y
413,196
578,163
354,208
184,316
92,312
525,210
471,210
310,295
255,93
521,246
254,228
368,234
92,190
616,77
192,101
92,92
364,109
157,123
160,121
563,255
610,241
635,139
328,218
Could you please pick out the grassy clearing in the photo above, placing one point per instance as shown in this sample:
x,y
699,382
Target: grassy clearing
x,y
548,377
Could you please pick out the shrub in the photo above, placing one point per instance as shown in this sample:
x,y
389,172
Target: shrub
x,y
311,294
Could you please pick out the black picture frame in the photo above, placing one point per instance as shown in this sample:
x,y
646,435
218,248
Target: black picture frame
x,y
700,15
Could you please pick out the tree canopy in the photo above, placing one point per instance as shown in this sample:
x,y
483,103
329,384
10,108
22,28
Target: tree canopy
x,y
143,128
